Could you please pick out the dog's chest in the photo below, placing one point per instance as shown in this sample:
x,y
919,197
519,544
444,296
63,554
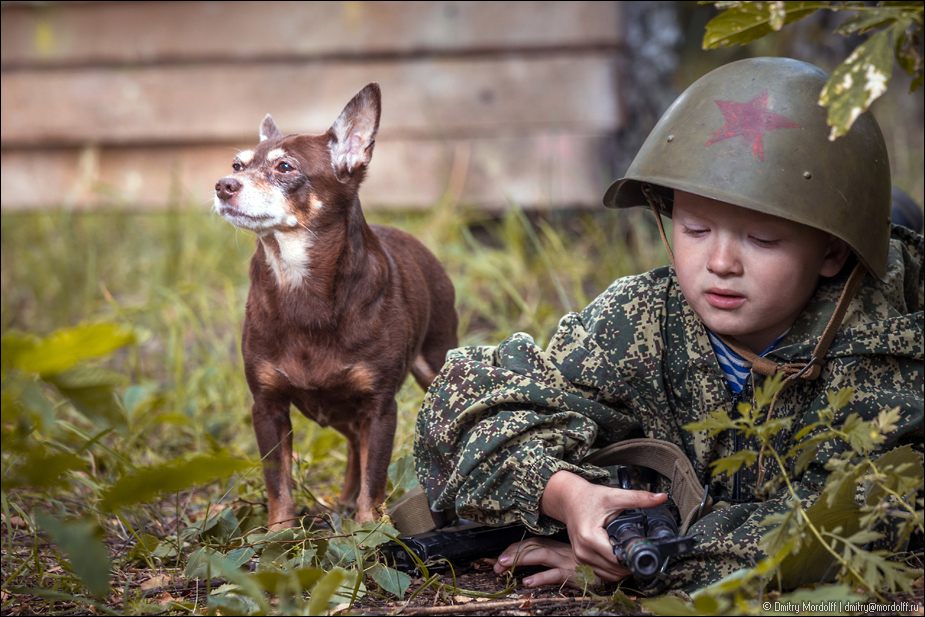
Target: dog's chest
x,y
316,377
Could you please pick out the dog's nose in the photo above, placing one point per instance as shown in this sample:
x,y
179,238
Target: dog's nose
x,y
226,187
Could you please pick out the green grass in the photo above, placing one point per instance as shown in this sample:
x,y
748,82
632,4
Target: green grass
x,y
178,280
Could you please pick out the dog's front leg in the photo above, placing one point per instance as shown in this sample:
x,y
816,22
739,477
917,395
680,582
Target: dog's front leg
x,y
274,439
348,496
376,437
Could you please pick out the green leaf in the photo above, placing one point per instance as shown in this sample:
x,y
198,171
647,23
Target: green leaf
x,y
731,464
221,526
81,542
863,436
905,45
26,403
145,546
839,515
57,596
857,82
240,556
274,557
718,422
888,419
402,474
584,575
171,477
905,459
343,550
807,455
764,395
374,533
744,22
308,577
38,469
294,582
772,427
837,399
785,533
232,603
668,605
197,565
64,349
823,596
92,390
325,590
391,581
231,571
869,18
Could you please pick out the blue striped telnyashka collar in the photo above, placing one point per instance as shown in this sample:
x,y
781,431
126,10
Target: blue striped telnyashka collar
x,y
735,369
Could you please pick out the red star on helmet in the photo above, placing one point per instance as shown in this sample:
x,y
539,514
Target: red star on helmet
x,y
750,121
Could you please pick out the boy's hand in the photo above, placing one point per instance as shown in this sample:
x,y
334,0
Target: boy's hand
x,y
586,509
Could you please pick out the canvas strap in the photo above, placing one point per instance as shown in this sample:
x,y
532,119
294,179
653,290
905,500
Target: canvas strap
x,y
411,515
804,370
669,460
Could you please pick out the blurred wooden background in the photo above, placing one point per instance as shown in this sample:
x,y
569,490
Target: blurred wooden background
x,y
144,104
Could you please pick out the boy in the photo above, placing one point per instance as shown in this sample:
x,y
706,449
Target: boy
x,y
769,218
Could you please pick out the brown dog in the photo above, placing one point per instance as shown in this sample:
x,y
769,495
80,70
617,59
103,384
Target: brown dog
x,y
338,311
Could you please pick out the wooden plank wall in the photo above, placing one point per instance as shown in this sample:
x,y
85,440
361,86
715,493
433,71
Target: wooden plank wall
x,y
142,105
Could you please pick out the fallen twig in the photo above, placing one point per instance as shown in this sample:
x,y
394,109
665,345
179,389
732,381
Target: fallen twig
x,y
475,607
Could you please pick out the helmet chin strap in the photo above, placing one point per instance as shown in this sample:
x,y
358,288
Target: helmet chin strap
x,y
792,371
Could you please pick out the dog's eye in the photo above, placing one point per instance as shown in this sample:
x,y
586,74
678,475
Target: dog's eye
x,y
284,166
237,166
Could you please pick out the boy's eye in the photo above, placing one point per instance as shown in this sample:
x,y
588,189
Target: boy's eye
x,y
283,166
766,242
696,232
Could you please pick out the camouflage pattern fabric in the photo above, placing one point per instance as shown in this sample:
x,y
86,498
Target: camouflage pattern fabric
x,y
499,421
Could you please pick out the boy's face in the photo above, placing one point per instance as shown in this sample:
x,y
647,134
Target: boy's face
x,y
748,274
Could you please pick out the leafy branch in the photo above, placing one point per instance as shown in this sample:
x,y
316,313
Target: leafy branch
x,y
894,31
810,536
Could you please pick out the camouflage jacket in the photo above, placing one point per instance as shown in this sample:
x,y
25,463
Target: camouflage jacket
x,y
499,421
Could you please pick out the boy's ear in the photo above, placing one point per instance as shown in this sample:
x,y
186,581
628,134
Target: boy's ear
x,y
837,251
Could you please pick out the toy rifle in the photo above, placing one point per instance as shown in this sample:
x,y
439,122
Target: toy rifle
x,y
643,539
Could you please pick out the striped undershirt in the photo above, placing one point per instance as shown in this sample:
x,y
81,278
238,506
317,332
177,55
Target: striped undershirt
x,y
735,369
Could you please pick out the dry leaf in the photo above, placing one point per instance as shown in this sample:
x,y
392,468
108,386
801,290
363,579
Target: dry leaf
x,y
462,599
159,580
165,598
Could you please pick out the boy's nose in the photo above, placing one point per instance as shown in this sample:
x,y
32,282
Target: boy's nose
x,y
724,259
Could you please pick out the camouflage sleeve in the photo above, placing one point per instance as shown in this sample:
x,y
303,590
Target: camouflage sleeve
x,y
499,421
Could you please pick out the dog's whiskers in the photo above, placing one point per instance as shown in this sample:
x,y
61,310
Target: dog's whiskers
x,y
312,233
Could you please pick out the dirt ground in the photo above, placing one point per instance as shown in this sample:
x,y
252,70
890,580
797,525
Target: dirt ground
x,y
480,577
445,595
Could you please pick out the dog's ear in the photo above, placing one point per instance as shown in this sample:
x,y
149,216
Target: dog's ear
x,y
354,133
268,129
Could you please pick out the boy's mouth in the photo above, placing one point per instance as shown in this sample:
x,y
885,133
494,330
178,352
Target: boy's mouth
x,y
724,299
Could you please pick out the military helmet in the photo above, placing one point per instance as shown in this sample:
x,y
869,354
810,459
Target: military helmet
x,y
751,133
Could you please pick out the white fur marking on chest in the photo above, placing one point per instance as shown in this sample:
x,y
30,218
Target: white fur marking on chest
x,y
291,265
